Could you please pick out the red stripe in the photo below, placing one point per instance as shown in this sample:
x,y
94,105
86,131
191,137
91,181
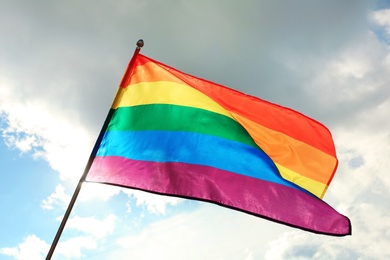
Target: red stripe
x,y
261,198
129,70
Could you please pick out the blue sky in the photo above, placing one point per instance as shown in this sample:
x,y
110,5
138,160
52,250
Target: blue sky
x,y
60,67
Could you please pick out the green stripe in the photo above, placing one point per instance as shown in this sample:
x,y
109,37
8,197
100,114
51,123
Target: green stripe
x,y
178,118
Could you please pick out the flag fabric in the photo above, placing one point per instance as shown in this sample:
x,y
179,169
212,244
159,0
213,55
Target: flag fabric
x,y
175,134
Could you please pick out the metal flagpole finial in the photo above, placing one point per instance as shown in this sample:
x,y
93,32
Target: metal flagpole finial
x,y
140,44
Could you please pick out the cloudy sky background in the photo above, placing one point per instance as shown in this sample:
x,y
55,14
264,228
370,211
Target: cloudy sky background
x,y
61,63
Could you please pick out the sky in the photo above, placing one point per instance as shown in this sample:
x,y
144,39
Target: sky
x,y
61,63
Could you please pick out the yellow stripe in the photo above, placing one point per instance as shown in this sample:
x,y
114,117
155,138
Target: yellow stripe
x,y
165,92
315,187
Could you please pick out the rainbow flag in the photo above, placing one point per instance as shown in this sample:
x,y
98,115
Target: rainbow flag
x,y
175,134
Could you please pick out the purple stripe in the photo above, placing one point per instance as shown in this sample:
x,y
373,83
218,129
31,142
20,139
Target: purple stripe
x,y
266,199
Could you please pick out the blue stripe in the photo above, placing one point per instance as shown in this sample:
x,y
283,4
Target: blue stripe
x,y
192,148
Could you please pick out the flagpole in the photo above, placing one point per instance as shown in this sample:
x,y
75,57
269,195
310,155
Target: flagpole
x,y
126,76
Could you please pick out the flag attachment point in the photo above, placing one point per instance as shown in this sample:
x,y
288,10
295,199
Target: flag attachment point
x,y
140,44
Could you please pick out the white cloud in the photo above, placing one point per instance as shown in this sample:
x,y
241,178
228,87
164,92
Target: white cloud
x,y
382,18
92,235
155,204
32,248
93,226
72,247
210,232
103,192
373,151
94,232
369,240
34,126
59,197
351,78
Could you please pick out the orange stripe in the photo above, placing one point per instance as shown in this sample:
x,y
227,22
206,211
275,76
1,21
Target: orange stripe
x,y
150,72
290,153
